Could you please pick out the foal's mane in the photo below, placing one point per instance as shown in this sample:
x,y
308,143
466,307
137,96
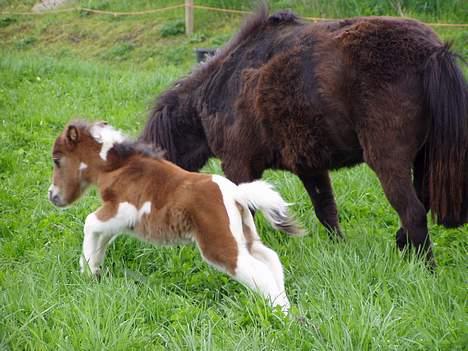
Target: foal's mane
x,y
130,148
126,148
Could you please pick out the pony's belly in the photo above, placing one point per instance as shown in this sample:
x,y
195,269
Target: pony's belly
x,y
346,158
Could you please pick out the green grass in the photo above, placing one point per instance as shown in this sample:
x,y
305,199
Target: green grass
x,y
357,295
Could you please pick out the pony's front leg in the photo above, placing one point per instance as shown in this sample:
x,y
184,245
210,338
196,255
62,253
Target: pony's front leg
x,y
320,190
99,231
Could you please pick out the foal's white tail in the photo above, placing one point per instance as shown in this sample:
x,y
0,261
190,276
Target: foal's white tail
x,y
260,195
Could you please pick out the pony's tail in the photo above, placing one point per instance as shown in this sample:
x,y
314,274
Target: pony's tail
x,y
259,195
446,158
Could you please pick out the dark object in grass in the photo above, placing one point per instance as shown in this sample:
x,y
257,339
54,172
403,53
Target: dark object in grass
x,y
6,21
203,54
309,98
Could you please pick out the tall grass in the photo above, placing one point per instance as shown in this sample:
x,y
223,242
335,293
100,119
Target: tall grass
x,y
357,295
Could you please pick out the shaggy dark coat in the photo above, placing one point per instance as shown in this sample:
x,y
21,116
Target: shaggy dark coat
x,y
309,98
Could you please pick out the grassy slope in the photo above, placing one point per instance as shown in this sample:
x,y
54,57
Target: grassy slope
x,y
354,295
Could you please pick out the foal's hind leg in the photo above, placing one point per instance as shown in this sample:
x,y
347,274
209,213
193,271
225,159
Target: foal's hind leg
x,y
247,269
321,193
257,275
226,248
260,251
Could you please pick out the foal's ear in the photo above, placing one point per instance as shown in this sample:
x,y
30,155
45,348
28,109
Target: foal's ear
x,y
73,134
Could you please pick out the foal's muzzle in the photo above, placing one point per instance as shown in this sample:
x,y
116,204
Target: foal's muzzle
x,y
54,196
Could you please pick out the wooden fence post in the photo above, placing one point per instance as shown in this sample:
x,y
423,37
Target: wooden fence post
x,y
188,17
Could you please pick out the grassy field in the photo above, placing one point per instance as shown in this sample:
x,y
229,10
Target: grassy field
x,y
357,295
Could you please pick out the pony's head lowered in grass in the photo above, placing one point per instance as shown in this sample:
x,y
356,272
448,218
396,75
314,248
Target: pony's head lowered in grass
x,y
82,151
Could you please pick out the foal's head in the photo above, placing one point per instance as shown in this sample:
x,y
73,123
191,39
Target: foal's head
x,y
79,153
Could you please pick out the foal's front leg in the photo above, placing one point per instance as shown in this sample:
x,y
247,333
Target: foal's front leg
x,y
100,228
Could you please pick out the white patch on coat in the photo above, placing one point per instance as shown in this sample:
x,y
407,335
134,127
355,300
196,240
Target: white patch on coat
x,y
107,136
144,209
83,166
228,191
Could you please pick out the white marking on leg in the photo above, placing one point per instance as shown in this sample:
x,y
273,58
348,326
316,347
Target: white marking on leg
x,y
270,258
83,166
257,275
262,252
107,136
95,242
98,234
264,274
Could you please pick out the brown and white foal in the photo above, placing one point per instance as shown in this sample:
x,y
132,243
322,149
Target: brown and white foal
x,y
162,203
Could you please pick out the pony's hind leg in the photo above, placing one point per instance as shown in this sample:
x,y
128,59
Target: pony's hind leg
x,y
421,188
320,191
395,178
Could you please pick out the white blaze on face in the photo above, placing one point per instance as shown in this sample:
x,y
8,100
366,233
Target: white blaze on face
x,y
107,136
53,191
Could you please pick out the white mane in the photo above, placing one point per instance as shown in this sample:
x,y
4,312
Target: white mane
x,y
107,136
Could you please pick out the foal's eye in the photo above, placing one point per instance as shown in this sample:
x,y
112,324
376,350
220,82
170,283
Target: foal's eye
x,y
57,162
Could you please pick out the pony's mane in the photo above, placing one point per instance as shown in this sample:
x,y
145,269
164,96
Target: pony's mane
x,y
159,127
252,25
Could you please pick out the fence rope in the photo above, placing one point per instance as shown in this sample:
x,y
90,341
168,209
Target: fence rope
x,y
197,7
99,12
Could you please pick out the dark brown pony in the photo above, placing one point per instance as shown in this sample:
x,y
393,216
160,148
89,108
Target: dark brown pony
x,y
309,98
